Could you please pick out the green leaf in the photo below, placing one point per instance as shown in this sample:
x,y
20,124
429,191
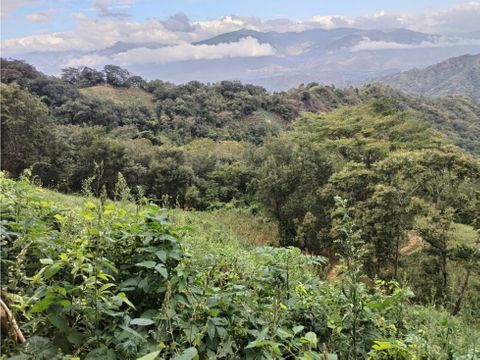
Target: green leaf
x,y
41,348
383,345
46,261
151,356
297,329
142,322
188,354
211,330
331,356
162,255
256,344
147,264
59,322
283,334
43,304
311,337
124,298
76,338
162,270
131,331
53,269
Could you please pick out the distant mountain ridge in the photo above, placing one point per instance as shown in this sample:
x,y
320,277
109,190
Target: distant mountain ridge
x,y
455,76
341,56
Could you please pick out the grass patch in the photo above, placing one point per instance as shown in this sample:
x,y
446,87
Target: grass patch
x,y
227,226
117,95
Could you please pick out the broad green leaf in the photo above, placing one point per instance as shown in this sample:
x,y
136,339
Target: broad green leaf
x,y
188,354
124,297
76,338
151,356
297,329
131,331
43,304
105,287
311,337
59,322
284,334
256,344
162,270
147,264
162,255
211,330
53,269
142,322
46,261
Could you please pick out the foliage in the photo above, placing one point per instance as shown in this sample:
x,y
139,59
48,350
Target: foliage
x,y
26,139
249,167
94,279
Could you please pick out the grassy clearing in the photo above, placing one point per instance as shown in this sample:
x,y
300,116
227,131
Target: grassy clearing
x,y
463,234
227,226
120,95
233,226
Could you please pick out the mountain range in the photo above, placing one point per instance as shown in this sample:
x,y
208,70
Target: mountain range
x,y
342,56
454,76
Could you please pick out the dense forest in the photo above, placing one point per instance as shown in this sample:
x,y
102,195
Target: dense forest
x,y
144,219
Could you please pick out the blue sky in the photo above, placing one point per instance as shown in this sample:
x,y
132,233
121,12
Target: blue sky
x,y
90,25
22,18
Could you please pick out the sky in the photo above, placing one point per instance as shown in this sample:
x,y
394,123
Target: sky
x,y
88,25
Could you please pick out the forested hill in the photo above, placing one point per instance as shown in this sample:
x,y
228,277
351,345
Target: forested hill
x,y
455,76
164,112
369,178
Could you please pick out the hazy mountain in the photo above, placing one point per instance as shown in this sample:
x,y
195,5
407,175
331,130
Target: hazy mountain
x,y
455,76
342,56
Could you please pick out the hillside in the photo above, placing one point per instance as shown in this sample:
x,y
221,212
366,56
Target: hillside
x,y
190,238
281,60
454,76
120,95
458,118
119,280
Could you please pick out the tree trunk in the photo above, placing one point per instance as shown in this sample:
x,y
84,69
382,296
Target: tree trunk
x,y
8,323
397,250
444,275
458,303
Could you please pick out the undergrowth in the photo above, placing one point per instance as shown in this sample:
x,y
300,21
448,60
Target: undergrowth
x,y
95,279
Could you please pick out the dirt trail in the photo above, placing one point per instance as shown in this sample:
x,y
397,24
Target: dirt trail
x,y
415,243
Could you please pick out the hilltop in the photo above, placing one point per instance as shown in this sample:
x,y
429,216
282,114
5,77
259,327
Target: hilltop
x,y
198,206
455,76
120,95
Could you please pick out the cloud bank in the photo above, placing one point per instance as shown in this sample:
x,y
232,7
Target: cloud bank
x,y
368,45
113,25
245,47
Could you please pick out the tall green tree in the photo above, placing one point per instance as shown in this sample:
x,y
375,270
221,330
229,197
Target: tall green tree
x,y
27,133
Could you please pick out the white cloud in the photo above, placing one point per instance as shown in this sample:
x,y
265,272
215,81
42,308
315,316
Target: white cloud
x,y
90,34
245,47
178,22
462,18
38,18
113,8
368,44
